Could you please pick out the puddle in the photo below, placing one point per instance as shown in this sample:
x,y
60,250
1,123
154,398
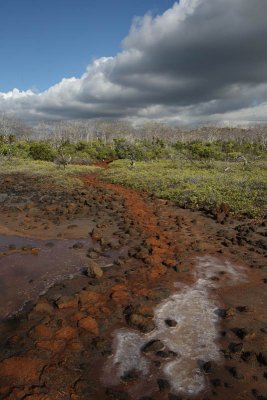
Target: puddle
x,y
191,342
29,267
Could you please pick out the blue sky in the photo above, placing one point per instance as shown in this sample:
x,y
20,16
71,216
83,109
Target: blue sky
x,y
42,41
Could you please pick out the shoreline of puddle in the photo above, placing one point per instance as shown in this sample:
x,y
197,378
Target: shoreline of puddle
x,y
30,267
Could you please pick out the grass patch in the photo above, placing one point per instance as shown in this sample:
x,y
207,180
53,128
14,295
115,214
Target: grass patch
x,y
198,185
46,170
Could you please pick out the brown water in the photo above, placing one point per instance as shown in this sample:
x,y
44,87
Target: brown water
x,y
29,267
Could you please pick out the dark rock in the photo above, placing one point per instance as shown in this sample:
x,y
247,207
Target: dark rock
x,y
242,308
246,356
166,354
146,398
221,312
240,332
172,396
153,345
170,322
235,347
103,345
157,364
78,245
216,382
262,358
163,384
142,323
205,366
235,373
258,395
130,376
116,394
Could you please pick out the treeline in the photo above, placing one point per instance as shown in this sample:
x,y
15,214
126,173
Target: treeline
x,y
135,150
75,131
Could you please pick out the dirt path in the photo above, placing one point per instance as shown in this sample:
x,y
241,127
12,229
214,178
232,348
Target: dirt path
x,y
183,293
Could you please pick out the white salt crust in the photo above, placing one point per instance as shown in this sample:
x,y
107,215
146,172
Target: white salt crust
x,y
193,338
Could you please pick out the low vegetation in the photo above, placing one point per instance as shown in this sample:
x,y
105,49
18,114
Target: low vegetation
x,y
193,173
198,185
47,171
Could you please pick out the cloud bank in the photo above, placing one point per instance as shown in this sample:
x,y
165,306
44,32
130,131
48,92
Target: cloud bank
x,y
201,61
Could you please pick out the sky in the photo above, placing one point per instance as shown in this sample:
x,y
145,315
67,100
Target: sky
x,y
42,41
183,63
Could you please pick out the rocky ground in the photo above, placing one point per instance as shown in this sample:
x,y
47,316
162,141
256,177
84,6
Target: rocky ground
x,y
64,346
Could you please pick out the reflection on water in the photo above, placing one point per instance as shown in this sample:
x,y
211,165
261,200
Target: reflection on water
x,y
192,338
29,267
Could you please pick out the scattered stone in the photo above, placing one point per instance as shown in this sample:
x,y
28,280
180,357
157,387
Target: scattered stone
x,y
166,354
216,382
242,308
88,297
43,308
94,270
66,333
78,245
257,395
235,347
103,345
21,370
170,322
235,373
247,355
163,385
146,398
153,345
221,312
241,333
262,358
41,331
116,394
205,366
89,324
130,376
50,244
66,302
172,396
50,345
144,324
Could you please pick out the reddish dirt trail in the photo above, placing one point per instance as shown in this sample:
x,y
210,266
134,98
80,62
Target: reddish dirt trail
x,y
64,341
142,212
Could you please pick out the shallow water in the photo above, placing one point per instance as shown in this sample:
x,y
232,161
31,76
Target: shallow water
x,y
193,339
29,267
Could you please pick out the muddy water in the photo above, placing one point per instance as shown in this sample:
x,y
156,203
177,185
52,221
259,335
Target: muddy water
x,y
29,267
191,340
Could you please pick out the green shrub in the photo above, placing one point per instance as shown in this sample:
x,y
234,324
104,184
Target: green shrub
x,y
42,151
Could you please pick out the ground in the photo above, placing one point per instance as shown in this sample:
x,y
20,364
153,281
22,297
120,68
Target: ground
x,y
139,251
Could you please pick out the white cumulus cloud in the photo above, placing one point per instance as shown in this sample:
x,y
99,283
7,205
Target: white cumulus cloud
x,y
200,61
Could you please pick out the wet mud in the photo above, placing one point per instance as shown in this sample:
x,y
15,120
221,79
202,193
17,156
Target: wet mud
x,y
162,302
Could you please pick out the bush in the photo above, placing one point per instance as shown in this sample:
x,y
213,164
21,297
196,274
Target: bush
x,y
41,151
202,150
